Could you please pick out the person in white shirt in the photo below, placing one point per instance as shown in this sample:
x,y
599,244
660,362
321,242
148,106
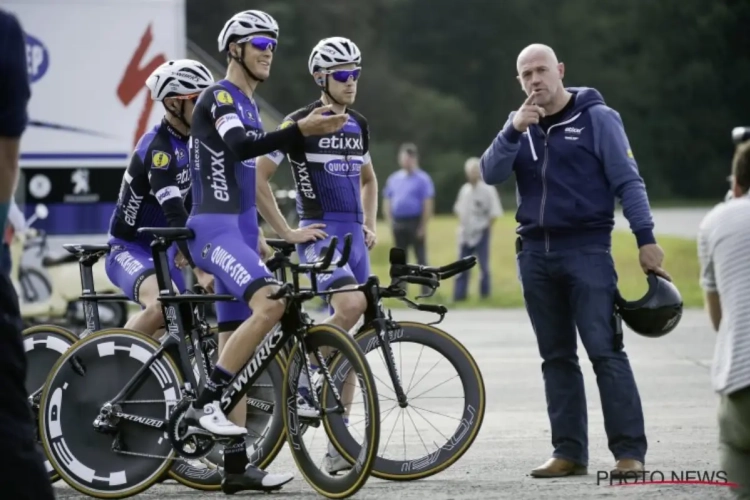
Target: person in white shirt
x,y
724,255
476,206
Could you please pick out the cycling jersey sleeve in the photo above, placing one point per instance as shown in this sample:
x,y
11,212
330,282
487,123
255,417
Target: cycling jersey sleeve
x,y
246,144
278,156
163,179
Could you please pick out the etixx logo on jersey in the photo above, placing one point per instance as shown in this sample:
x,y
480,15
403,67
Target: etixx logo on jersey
x,y
223,97
160,159
37,58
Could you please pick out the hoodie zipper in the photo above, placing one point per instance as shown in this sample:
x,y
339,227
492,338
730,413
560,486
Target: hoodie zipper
x,y
544,176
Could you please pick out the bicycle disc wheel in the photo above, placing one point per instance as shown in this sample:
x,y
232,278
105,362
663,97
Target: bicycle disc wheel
x,y
347,357
43,345
91,373
429,400
265,432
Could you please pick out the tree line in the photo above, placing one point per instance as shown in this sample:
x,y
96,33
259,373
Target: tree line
x,y
442,74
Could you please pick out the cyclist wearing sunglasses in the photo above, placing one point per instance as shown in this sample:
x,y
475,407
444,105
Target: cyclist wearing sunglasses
x,y
336,189
226,137
152,192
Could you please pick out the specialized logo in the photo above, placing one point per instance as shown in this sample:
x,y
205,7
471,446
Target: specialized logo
x,y
223,97
218,175
343,168
128,263
37,58
132,81
261,354
228,263
160,159
304,184
348,143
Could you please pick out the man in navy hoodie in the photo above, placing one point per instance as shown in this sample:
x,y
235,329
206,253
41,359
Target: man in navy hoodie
x,y
22,473
571,158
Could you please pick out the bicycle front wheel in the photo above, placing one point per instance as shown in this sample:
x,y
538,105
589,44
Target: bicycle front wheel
x,y
346,362
444,406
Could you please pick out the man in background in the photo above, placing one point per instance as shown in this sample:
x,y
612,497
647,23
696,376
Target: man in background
x,y
22,473
477,206
724,253
408,203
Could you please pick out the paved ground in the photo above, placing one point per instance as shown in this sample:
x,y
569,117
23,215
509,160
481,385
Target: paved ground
x,y
674,380
681,222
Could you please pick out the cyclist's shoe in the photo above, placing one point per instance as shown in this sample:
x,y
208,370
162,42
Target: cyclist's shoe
x,y
212,419
335,463
253,479
305,404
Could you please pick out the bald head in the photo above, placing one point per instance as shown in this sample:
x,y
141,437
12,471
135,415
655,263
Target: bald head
x,y
536,52
540,73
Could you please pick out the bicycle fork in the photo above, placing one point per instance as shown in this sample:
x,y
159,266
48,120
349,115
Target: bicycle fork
x,y
387,330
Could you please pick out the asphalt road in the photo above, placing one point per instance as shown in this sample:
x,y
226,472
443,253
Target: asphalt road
x,y
674,382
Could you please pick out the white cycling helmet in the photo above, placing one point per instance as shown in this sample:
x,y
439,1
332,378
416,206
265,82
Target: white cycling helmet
x,y
180,77
247,23
333,51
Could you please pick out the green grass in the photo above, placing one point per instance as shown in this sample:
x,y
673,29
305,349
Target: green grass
x,y
681,262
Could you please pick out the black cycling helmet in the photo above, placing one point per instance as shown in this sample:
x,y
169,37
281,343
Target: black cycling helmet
x,y
655,314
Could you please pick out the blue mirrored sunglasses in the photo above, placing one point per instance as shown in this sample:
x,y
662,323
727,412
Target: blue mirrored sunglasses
x,y
260,42
343,75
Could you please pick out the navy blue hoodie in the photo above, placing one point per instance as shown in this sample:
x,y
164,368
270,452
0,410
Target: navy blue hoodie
x,y
567,180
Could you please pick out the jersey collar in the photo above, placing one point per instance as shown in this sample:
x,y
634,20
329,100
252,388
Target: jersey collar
x,y
173,131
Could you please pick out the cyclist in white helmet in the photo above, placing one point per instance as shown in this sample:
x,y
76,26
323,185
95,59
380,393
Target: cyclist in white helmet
x,y
153,190
336,188
226,137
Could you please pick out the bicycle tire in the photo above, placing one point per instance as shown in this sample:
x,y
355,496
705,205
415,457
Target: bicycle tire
x,y
266,449
351,482
140,348
472,418
23,277
54,341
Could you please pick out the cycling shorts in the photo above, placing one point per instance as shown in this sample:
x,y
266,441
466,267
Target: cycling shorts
x,y
226,246
357,268
129,264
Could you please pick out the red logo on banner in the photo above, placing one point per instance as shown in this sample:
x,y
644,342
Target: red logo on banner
x,y
134,79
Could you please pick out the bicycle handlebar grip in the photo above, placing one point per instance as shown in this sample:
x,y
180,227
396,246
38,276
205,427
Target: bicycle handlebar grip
x,y
281,292
458,266
325,262
347,250
433,308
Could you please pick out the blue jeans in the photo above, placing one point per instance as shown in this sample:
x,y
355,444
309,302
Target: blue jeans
x,y
482,252
565,289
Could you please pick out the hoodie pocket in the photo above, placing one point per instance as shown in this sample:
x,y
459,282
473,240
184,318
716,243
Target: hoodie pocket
x,y
559,212
528,210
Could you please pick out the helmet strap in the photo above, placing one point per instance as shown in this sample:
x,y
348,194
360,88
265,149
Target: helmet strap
x,y
180,115
325,90
241,61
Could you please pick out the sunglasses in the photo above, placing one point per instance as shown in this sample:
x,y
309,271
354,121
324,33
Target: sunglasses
x,y
261,43
190,97
343,75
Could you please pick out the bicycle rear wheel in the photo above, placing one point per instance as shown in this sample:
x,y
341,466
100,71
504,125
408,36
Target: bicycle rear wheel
x,y
43,345
344,356
427,405
137,452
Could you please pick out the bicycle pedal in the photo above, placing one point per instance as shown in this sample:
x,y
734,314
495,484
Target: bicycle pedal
x,y
311,422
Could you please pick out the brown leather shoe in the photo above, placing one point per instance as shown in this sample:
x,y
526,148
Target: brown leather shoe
x,y
627,468
558,467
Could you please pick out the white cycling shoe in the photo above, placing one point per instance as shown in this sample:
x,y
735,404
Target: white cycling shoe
x,y
212,419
